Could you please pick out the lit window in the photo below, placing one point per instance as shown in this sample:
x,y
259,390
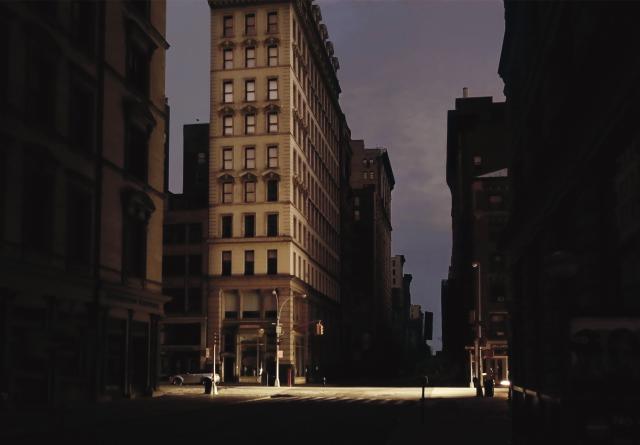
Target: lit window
x,y
272,122
250,57
227,25
228,59
250,90
273,89
250,191
250,124
227,192
228,126
273,55
250,157
370,175
250,24
272,161
272,22
227,158
228,92
477,160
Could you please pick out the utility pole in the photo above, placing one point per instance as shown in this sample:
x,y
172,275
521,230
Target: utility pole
x,y
478,333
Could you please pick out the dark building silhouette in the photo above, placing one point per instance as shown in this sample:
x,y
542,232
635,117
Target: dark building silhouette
x,y
83,124
400,307
571,73
348,253
474,296
185,261
371,308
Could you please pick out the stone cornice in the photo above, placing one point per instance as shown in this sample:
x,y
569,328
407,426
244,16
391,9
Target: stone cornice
x,y
315,31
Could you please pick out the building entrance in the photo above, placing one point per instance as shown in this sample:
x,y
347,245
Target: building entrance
x,y
251,358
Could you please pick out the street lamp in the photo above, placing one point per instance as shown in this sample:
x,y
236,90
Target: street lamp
x,y
478,321
258,364
279,332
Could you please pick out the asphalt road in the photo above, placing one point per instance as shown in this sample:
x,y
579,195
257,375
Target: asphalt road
x,y
258,415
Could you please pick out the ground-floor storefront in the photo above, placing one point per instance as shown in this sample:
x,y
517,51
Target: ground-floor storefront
x,y
494,362
259,323
68,344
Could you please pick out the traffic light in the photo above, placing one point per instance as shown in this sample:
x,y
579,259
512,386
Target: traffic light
x,y
319,328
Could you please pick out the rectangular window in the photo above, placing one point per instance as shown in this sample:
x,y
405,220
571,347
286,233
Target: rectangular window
x,y
272,190
272,262
227,226
231,306
248,262
250,24
250,157
173,234
250,90
250,191
273,89
173,265
295,228
227,158
228,91
272,22
273,55
249,226
228,125
136,156
272,153
195,233
477,160
250,304
272,224
227,26
195,265
194,302
82,118
79,216
250,57
227,192
250,124
228,59
138,62
226,263
177,303
272,122
83,25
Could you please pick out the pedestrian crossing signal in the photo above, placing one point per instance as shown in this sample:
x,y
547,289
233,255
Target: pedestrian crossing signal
x,y
319,328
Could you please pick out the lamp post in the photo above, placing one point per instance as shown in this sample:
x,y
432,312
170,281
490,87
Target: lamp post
x,y
258,365
279,332
478,333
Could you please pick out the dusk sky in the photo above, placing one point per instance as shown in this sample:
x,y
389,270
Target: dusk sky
x,y
402,64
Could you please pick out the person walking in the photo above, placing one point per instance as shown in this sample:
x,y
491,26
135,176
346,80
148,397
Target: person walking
x,y
489,383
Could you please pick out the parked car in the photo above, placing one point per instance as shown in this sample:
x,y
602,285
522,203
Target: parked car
x,y
192,378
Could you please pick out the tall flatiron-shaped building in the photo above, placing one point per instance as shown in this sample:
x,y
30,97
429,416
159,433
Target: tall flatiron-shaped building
x,y
274,215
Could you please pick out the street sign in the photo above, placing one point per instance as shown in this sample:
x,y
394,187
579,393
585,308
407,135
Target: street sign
x,y
279,329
